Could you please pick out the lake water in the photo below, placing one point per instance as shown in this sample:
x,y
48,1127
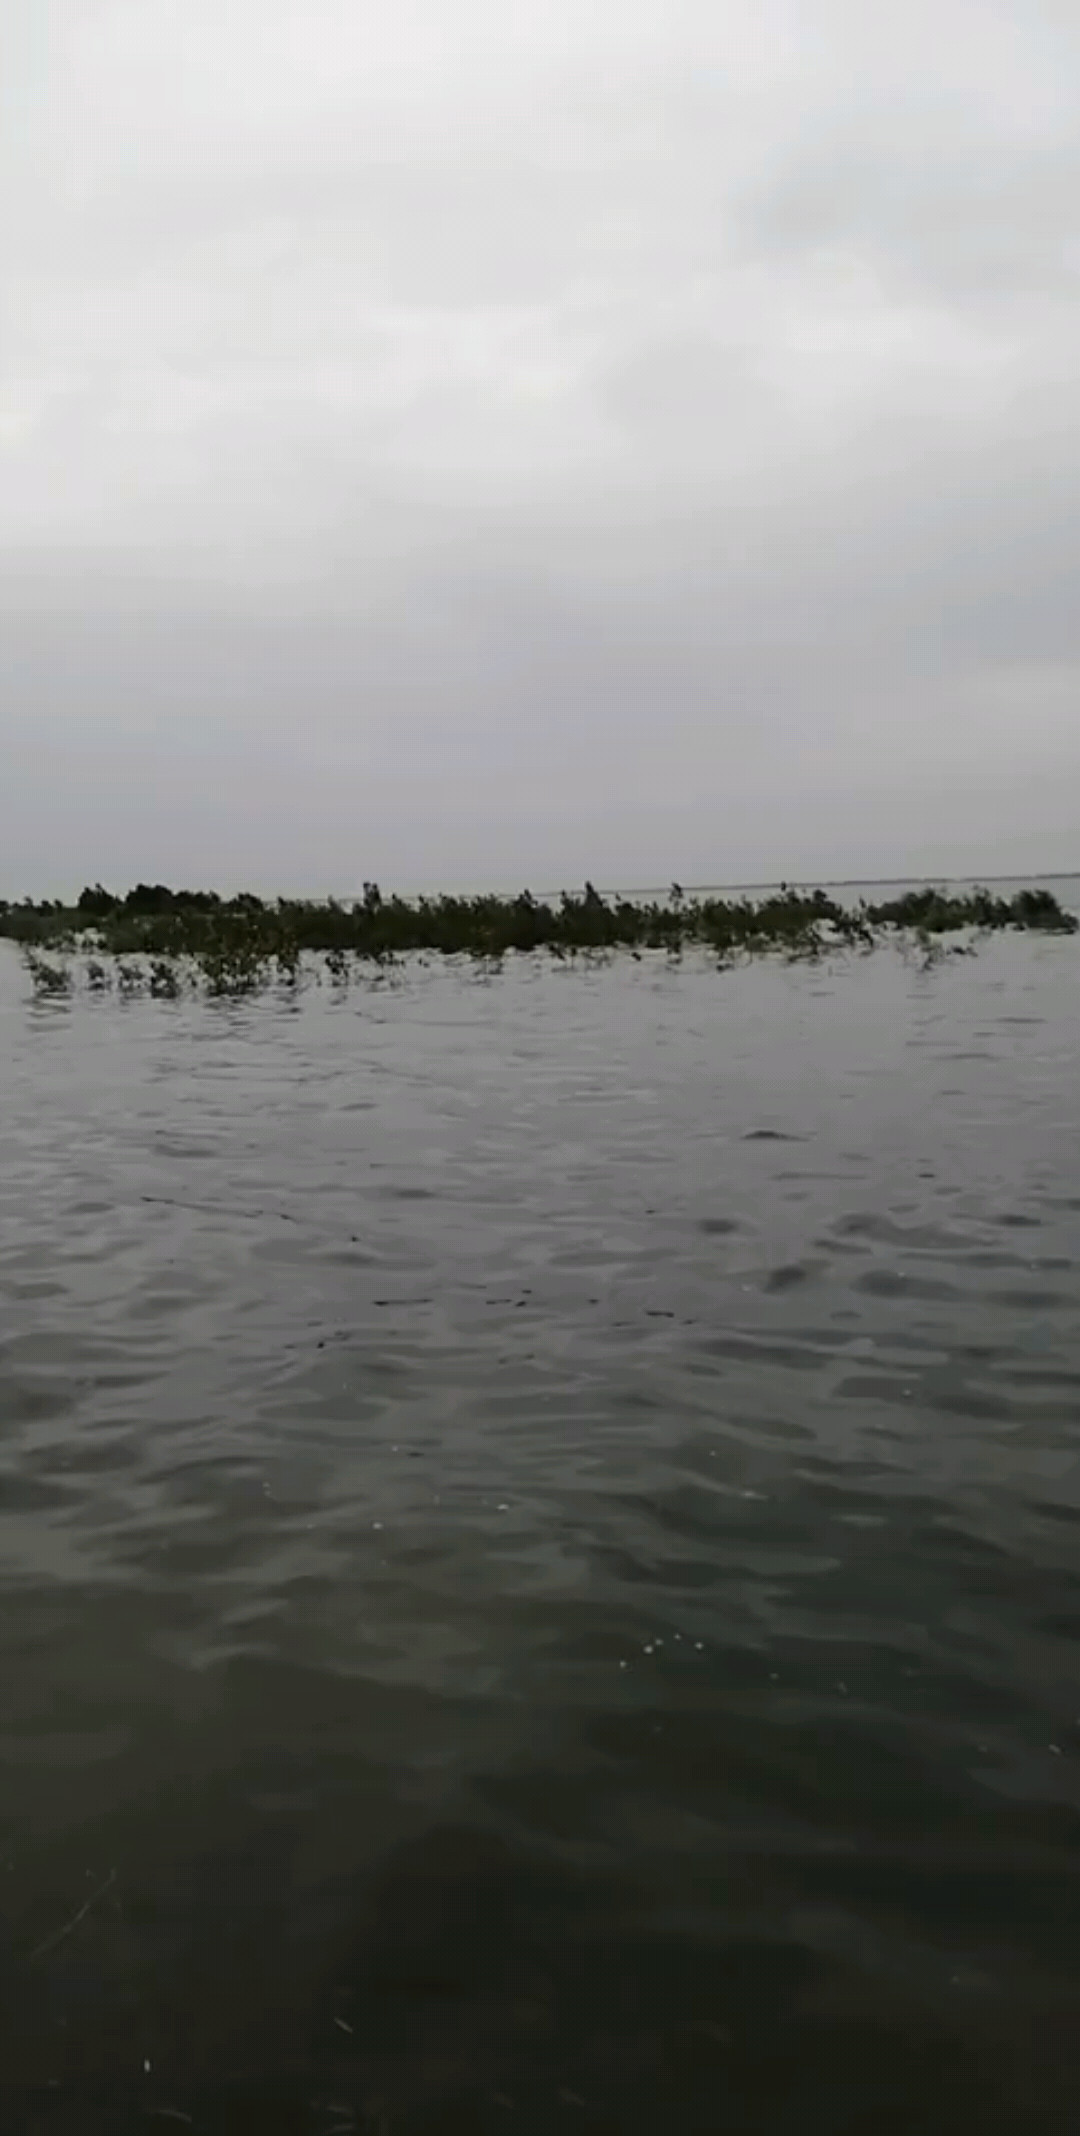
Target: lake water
x,y
540,1542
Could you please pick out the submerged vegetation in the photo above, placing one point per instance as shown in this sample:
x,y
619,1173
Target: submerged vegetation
x,y
161,941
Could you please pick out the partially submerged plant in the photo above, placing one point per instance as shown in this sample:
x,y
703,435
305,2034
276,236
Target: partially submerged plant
x,y
287,958
237,945
164,979
49,979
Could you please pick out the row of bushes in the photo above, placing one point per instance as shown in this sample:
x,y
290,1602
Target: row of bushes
x,y
155,920
238,944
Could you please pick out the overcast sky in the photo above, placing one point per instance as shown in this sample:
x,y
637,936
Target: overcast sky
x,y
504,441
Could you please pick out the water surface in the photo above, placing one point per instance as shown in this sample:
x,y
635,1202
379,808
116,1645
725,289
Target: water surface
x,y
540,1541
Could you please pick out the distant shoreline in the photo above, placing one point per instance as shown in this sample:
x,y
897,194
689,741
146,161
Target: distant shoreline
x,y
852,882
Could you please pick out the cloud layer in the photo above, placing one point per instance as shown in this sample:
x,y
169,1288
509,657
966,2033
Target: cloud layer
x,y
470,443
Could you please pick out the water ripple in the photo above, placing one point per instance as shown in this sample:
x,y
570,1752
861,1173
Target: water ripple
x,y
540,1531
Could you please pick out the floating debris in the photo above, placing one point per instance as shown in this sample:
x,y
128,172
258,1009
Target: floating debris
x,y
61,1934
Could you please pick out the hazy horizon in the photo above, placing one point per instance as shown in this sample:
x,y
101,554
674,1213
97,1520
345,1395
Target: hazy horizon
x,y
346,893
457,444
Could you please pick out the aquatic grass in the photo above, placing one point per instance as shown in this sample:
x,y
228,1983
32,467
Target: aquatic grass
x,y
160,940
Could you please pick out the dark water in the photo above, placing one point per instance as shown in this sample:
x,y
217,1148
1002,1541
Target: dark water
x,y
540,1539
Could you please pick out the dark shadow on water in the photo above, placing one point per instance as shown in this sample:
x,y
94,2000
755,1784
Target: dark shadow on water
x,y
466,1986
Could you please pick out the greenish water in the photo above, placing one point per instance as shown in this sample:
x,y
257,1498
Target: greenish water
x,y
540,1540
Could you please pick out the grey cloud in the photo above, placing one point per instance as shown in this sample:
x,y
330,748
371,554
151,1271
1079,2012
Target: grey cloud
x,y
966,225
471,442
